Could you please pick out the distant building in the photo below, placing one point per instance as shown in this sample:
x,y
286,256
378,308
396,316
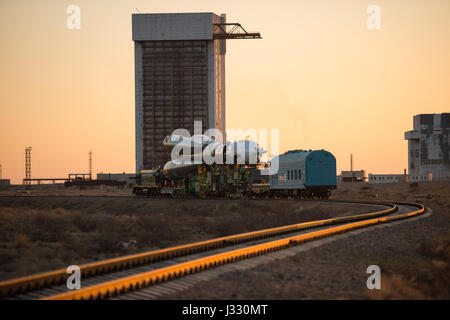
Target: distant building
x,y
5,184
429,147
353,176
128,178
386,178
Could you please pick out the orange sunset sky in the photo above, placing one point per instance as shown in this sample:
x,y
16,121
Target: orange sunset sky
x,y
319,75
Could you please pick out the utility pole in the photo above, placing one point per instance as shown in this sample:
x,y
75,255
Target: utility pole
x,y
27,166
351,166
0,171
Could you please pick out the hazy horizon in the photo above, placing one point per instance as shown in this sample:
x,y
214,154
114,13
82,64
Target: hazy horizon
x,y
319,75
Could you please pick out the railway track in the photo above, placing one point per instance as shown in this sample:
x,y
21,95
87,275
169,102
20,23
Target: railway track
x,y
115,277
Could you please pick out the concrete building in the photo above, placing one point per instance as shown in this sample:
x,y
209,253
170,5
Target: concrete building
x,y
179,77
386,178
353,176
429,147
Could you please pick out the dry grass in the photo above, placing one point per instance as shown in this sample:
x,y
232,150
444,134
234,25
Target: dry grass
x,y
39,235
428,275
433,192
395,287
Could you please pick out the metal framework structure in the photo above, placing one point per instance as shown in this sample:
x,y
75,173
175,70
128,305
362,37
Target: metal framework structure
x,y
27,166
71,177
75,176
90,165
39,180
233,31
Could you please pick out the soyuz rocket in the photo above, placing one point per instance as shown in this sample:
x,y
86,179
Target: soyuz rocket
x,y
190,152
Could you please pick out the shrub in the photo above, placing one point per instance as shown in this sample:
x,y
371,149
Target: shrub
x,y
21,241
49,227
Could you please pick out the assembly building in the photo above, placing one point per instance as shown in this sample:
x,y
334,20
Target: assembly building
x,y
179,77
429,147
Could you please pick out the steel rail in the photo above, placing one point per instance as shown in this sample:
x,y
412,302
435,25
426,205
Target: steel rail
x,y
44,280
131,283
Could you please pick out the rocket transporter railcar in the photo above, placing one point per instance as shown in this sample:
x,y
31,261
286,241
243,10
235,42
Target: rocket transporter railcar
x,y
301,174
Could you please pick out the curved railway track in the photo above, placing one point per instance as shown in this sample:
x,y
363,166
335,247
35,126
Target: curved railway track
x,y
113,277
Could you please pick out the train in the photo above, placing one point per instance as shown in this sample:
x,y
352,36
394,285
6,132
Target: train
x,y
302,174
305,173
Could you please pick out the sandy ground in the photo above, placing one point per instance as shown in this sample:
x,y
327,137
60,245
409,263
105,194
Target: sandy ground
x,y
413,256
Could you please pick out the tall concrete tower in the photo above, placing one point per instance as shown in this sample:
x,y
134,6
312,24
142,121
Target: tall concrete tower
x,y
429,147
179,77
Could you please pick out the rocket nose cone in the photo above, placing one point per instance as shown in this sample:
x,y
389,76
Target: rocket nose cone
x,y
261,150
